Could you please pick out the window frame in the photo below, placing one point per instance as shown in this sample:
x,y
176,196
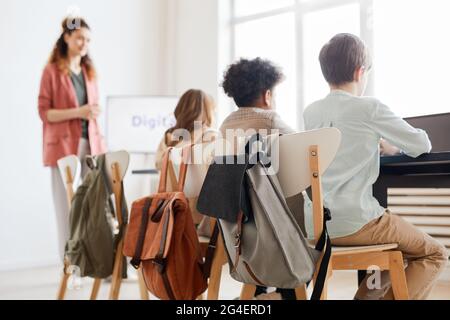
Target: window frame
x,y
300,9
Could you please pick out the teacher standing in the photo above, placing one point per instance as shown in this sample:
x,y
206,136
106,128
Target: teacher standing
x,y
68,107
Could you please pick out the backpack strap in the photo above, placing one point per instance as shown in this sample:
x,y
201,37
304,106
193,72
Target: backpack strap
x,y
136,261
324,242
165,164
238,237
124,209
185,154
210,251
160,261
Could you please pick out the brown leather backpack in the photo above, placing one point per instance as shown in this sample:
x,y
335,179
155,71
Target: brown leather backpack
x,y
161,238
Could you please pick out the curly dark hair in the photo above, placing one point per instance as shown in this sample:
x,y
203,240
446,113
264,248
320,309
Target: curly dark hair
x,y
245,80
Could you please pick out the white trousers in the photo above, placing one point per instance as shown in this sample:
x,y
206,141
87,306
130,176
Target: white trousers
x,y
60,202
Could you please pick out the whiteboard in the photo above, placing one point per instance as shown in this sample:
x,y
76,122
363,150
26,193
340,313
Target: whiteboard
x,y
138,123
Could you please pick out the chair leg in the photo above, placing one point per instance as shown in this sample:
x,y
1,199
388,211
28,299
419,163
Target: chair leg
x,y
324,295
95,288
248,291
398,278
117,274
63,285
216,271
142,286
300,293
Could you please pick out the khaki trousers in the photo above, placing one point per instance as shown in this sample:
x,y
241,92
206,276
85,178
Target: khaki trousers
x,y
425,257
60,202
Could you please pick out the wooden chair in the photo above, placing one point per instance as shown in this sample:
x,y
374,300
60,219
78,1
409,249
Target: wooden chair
x,y
70,170
303,158
195,176
116,167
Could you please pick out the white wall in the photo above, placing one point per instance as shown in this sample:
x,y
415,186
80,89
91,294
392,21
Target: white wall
x,y
197,32
149,47
128,46
196,45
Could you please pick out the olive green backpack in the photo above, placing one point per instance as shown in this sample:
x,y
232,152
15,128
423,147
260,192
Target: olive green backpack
x,y
93,238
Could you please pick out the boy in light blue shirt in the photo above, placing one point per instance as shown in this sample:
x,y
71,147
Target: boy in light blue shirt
x,y
366,125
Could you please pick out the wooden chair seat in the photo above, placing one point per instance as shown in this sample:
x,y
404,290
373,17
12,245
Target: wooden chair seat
x,y
336,251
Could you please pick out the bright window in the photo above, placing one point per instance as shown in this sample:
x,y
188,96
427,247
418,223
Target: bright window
x,y
249,7
318,28
409,41
260,38
412,55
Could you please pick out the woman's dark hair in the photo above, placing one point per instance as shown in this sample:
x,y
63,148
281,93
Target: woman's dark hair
x,y
246,80
59,53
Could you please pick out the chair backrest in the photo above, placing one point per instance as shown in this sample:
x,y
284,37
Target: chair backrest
x,y
293,159
294,167
70,171
303,158
116,167
122,159
197,170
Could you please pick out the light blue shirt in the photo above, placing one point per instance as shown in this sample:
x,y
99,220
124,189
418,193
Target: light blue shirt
x,y
347,183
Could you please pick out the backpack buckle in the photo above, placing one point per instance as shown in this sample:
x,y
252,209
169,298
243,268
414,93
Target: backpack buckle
x,y
135,264
237,240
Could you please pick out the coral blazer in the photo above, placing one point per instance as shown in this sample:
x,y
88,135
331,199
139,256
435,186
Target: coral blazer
x,y
61,139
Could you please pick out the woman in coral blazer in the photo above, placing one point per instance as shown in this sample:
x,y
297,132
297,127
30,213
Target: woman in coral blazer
x,y
68,107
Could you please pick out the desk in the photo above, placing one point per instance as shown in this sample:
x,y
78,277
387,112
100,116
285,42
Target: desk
x,y
427,171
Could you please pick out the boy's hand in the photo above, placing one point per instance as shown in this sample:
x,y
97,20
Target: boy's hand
x,y
387,149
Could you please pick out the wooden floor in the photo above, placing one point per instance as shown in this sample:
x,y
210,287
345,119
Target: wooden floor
x,y
41,284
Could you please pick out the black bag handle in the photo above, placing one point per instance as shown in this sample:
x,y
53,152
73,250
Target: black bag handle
x,y
324,242
259,156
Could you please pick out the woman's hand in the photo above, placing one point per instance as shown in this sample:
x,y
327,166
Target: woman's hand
x,y
88,112
386,149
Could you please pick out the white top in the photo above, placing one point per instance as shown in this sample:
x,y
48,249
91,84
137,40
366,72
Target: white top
x,y
347,183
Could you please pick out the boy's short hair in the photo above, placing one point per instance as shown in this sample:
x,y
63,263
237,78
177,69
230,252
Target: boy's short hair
x,y
341,56
246,80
